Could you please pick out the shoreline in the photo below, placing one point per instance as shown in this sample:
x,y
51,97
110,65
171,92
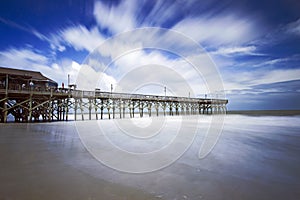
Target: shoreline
x,y
256,113
264,112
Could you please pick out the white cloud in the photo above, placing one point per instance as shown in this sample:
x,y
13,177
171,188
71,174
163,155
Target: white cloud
x,y
278,75
139,60
126,51
88,79
16,57
272,62
30,60
294,27
84,76
116,47
219,29
225,51
57,46
246,80
116,18
162,11
81,38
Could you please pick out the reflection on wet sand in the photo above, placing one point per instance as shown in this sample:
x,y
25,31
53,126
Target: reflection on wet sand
x,y
255,158
33,166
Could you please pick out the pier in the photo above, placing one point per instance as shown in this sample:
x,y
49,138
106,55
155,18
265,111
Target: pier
x,y
28,96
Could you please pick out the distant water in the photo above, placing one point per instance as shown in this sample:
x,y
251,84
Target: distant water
x,y
256,157
265,112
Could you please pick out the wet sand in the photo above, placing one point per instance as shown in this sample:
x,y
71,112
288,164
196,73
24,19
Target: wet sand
x,y
255,158
33,166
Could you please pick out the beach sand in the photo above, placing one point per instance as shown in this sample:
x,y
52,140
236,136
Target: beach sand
x,y
255,158
33,166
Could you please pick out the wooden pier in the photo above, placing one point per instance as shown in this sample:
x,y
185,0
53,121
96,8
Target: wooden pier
x,y
28,106
43,101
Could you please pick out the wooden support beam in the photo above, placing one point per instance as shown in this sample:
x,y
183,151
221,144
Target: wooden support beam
x,y
133,109
120,108
81,109
5,110
157,108
96,108
90,109
30,108
113,108
101,114
123,106
149,108
75,109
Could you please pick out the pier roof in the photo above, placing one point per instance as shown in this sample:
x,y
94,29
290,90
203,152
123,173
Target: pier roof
x,y
33,75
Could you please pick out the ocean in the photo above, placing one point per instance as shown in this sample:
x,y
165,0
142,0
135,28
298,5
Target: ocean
x,y
245,157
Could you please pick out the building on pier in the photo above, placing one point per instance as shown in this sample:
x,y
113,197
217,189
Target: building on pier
x,y
29,96
17,93
25,80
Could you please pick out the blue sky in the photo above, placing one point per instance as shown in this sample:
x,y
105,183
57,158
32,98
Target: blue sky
x,y
254,44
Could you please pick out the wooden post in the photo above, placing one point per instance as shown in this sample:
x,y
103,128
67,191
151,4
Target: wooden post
x,y
199,109
63,109
59,110
182,109
5,110
6,85
171,109
113,108
101,114
149,108
141,108
67,108
187,110
30,107
123,109
130,108
96,108
133,109
49,109
90,109
81,109
120,108
75,109
108,111
5,101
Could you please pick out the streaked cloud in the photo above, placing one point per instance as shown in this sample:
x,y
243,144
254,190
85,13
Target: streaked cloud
x,y
272,62
294,27
80,38
24,28
277,75
17,57
226,51
117,18
251,55
247,79
29,59
219,29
